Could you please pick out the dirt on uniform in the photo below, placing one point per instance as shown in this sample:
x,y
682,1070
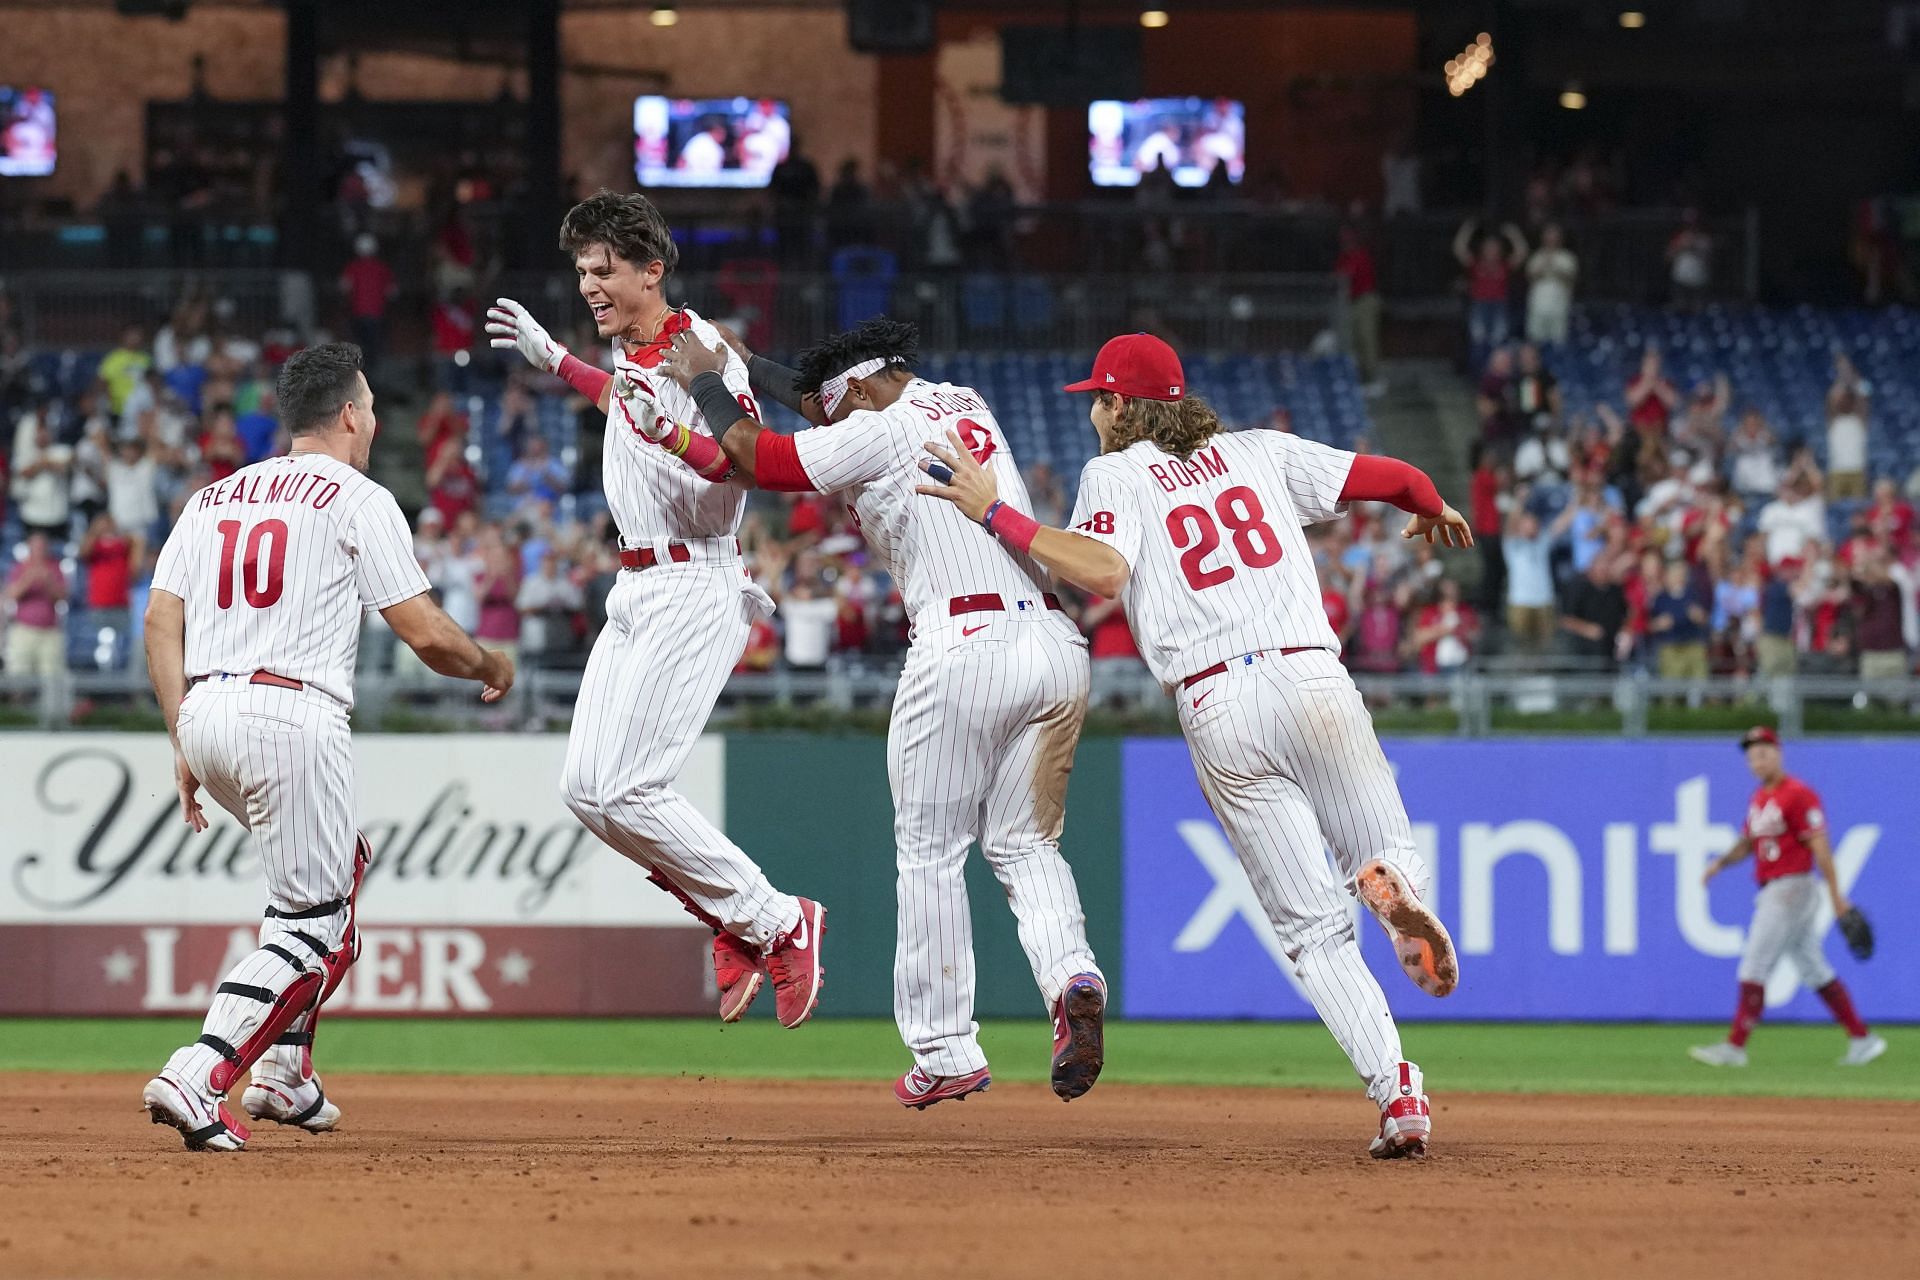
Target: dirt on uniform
x,y
577,1177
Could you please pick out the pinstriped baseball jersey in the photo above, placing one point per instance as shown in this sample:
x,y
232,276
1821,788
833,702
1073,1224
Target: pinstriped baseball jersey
x,y
1220,565
276,564
931,549
651,493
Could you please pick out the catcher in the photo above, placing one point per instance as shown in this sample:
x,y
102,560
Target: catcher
x,y
1788,834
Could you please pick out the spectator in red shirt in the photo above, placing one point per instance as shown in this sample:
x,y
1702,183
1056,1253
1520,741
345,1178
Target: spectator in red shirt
x,y
806,516
1354,264
369,286
36,645
1485,491
109,555
1339,611
1445,630
221,448
453,330
1891,517
1489,266
1651,396
452,486
498,589
1376,641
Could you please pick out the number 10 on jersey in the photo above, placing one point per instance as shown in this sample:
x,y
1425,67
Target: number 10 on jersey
x,y
261,572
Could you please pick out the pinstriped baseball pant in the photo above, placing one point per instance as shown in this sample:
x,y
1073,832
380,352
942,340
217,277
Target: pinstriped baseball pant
x,y
980,746
281,762
672,637
1286,755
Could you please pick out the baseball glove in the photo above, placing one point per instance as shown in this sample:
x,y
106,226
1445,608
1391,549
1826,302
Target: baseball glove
x,y
1858,933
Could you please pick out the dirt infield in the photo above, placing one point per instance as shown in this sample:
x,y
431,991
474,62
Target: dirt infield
x,y
607,1177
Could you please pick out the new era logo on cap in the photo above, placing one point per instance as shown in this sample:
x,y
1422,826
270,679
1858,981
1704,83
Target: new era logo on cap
x,y
1109,377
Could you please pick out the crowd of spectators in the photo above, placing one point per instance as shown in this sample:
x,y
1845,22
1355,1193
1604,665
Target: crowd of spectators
x,y
1678,530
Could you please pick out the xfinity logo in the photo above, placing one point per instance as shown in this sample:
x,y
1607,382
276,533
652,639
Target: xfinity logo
x,y
1625,850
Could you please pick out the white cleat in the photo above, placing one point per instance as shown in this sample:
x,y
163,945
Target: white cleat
x,y
1719,1055
1406,1122
1863,1049
202,1119
304,1105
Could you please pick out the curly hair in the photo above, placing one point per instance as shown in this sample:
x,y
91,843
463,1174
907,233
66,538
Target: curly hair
x,y
894,341
627,224
1177,426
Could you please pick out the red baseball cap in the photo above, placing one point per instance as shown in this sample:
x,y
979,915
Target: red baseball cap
x,y
1758,734
1136,364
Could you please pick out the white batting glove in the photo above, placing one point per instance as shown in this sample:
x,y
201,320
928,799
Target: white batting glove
x,y
635,402
511,327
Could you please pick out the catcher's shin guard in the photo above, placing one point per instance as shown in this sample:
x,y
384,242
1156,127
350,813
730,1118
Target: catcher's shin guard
x,y
299,996
290,1058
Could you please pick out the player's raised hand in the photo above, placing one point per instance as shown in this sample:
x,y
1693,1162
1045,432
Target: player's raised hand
x,y
1449,527
510,326
969,486
689,357
189,787
498,678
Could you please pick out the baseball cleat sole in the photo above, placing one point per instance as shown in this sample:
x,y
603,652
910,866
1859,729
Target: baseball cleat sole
x,y
1421,943
1084,1006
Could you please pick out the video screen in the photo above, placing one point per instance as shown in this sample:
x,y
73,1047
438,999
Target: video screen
x,y
708,142
1188,137
26,132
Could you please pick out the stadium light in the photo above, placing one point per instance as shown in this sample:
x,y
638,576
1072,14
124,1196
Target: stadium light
x,y
1573,98
663,15
1153,19
1470,65
1633,19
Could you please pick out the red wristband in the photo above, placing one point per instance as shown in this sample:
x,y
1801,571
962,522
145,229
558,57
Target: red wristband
x,y
583,377
1015,528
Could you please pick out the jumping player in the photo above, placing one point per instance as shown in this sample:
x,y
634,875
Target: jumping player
x,y
1787,829
252,631
677,618
1197,531
990,702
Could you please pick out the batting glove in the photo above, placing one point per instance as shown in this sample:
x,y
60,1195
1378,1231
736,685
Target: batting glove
x,y
635,402
511,327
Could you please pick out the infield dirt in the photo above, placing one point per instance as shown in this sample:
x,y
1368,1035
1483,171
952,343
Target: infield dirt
x,y
566,1177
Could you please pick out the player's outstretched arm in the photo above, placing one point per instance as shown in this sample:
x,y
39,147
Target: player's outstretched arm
x,y
763,458
446,647
512,328
1086,563
1822,850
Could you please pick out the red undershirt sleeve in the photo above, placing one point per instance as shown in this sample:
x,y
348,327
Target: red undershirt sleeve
x,y
1377,479
776,464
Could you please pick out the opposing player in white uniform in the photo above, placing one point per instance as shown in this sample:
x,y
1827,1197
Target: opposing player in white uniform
x,y
677,618
990,702
252,630
1198,533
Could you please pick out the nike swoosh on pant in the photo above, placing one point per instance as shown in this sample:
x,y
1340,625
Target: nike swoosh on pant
x,y
967,631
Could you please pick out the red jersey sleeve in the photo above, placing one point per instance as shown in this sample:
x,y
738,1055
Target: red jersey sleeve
x,y
1803,812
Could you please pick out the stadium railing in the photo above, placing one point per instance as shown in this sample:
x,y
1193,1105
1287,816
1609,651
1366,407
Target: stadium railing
x,y
1468,704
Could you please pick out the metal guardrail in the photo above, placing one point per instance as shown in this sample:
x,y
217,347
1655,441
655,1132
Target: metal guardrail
x,y
1469,704
90,309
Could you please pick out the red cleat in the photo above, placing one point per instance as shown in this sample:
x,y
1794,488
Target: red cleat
x,y
1420,941
918,1090
738,972
793,962
1079,1048
1406,1123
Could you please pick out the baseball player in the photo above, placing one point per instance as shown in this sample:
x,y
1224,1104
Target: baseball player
x,y
1786,830
677,619
1197,532
990,702
252,630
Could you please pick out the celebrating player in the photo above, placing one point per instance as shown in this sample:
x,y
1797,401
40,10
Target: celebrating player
x,y
1787,829
677,619
990,702
252,630
1197,532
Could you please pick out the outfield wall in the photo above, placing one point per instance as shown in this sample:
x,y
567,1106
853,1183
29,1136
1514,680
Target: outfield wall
x,y
1568,869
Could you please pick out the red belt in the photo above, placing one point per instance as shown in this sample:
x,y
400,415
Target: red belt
x,y
647,557
263,677
990,602
1220,668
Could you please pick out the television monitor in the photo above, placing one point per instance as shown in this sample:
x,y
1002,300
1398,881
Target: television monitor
x,y
708,142
26,132
1188,137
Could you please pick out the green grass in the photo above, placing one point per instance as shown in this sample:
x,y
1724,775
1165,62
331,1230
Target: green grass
x,y
1458,1057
